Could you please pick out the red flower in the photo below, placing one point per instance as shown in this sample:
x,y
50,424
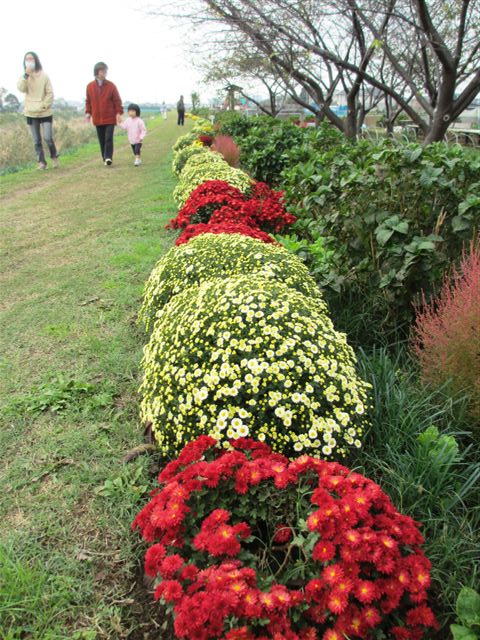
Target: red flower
x,y
169,590
366,591
170,565
423,616
323,551
282,534
366,572
153,559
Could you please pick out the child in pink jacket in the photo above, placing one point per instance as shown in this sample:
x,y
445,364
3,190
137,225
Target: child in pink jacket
x,y
136,130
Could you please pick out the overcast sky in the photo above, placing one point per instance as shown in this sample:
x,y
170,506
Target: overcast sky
x,y
144,54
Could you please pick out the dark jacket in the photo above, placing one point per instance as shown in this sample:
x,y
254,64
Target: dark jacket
x,y
103,102
180,106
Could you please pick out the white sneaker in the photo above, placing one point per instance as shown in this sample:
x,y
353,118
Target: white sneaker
x,y
137,162
108,161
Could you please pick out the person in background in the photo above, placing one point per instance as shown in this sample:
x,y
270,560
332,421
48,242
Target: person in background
x,y
181,111
36,86
136,130
164,110
102,107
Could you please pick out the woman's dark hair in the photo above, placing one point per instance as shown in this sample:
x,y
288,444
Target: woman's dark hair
x,y
134,107
38,64
98,66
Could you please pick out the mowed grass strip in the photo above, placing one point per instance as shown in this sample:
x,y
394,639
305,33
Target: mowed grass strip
x,y
77,246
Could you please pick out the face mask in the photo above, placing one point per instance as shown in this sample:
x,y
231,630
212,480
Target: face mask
x,y
30,65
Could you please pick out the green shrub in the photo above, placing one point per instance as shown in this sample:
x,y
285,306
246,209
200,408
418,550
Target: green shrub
x,y
209,256
231,123
185,153
249,356
208,166
399,213
264,149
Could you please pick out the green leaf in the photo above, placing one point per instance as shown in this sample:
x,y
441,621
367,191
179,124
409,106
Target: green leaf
x,y
468,607
413,155
383,235
401,227
459,223
462,633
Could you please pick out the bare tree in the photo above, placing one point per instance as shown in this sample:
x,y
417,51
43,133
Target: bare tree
x,y
423,56
434,48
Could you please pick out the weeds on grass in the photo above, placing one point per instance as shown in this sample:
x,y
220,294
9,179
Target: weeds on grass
x,y
61,394
419,449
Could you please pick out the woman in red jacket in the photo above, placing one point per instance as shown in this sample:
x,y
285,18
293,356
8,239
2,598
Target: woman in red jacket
x,y
102,107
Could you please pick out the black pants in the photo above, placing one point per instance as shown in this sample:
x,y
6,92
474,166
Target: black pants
x,y
136,148
181,117
105,138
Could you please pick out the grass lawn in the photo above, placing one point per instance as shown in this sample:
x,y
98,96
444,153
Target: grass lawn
x,y
77,246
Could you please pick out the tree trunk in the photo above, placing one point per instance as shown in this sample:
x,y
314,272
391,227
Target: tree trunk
x,y
442,116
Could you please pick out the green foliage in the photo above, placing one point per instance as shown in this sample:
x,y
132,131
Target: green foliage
x,y
264,151
468,612
211,256
126,488
201,126
249,356
400,214
320,256
208,166
59,395
232,123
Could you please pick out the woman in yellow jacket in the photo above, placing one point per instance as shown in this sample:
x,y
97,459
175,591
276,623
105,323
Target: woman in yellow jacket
x,y
36,86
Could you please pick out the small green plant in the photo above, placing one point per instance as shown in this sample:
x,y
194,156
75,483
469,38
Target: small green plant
x,y
468,612
131,483
60,395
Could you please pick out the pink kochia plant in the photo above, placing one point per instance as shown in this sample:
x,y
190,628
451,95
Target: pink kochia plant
x,y
227,147
249,545
447,331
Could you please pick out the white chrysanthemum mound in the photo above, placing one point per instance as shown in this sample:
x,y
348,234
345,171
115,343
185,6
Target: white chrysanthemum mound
x,y
249,356
211,256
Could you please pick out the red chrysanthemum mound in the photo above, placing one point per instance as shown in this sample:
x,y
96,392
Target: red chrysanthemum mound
x,y
447,331
204,200
267,208
194,230
263,208
250,545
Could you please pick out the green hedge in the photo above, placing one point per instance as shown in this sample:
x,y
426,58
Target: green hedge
x,y
396,215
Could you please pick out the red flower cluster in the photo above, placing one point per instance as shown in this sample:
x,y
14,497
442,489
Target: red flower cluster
x,y
204,200
365,572
223,227
206,140
216,201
